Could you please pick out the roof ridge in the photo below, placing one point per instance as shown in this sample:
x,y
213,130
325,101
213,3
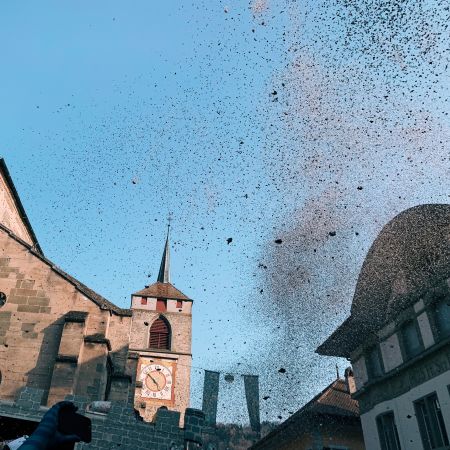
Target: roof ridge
x,y
88,292
20,208
163,290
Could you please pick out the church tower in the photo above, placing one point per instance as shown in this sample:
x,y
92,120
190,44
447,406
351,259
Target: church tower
x,y
161,336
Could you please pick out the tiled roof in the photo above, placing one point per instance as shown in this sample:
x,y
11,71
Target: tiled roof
x,y
334,401
162,290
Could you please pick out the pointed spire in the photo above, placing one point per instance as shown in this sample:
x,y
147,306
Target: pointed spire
x,y
164,269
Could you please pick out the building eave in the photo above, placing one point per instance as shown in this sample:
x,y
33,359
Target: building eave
x,y
20,208
99,300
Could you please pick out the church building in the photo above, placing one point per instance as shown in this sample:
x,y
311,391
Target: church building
x,y
60,339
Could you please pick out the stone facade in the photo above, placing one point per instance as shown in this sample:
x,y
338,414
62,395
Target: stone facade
x,y
52,336
58,338
11,210
179,355
119,427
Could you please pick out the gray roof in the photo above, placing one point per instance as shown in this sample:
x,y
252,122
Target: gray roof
x,y
410,256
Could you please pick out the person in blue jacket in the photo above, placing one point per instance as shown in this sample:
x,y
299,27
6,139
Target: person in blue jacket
x,y
46,436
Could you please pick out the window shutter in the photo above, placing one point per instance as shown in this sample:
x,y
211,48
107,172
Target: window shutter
x,y
160,335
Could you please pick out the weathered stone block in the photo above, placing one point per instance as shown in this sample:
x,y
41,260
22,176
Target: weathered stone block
x,y
24,292
27,284
18,300
40,301
28,335
28,308
27,326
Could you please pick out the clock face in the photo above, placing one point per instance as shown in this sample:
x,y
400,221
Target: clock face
x,y
157,381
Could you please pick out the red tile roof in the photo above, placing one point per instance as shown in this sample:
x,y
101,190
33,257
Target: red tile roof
x,y
335,399
162,290
334,402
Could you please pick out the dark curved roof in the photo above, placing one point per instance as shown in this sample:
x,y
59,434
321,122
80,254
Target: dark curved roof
x,y
410,255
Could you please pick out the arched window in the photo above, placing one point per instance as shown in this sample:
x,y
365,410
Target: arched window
x,y
160,334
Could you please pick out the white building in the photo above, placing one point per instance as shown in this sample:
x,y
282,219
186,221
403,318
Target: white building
x,y
398,334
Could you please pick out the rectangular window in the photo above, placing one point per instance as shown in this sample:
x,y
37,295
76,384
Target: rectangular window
x,y
143,301
431,423
412,342
179,304
442,318
387,432
373,363
161,305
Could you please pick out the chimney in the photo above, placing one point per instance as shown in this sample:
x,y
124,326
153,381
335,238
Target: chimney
x,y
350,380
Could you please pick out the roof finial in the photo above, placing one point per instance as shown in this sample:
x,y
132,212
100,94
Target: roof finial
x,y
164,269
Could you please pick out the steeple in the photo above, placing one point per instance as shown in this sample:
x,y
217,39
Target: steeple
x,y
164,269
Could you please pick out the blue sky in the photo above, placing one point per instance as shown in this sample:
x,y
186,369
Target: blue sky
x,y
252,120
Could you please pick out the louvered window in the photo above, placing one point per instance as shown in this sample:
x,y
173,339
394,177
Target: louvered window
x,y
160,334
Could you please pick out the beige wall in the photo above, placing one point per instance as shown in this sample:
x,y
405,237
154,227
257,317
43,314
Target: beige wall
x,y
180,355
180,323
391,353
32,322
9,214
360,372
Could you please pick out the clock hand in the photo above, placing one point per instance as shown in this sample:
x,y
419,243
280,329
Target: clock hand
x,y
154,381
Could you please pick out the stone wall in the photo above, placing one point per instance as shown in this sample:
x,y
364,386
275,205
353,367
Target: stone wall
x,y
9,213
120,427
49,328
180,353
